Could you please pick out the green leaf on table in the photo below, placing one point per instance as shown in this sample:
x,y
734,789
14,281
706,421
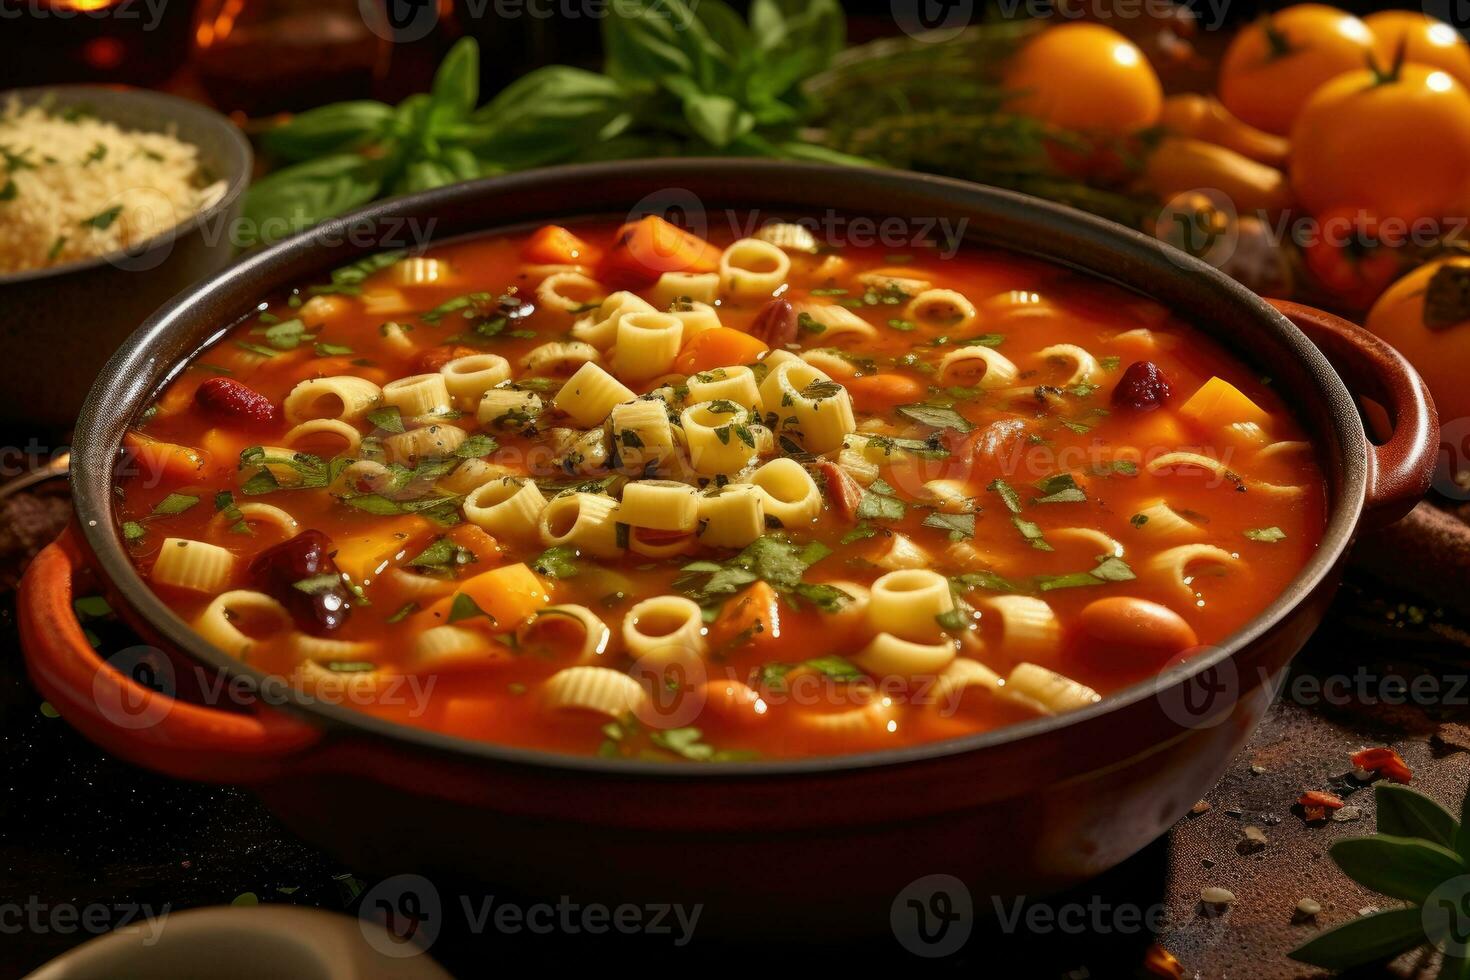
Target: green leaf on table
x,y
1403,812
457,82
1365,939
1399,867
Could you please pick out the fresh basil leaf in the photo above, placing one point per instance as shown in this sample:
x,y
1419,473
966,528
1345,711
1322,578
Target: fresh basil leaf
x,y
1031,532
959,526
386,418
717,119
404,611
1059,489
558,561
328,129
1007,493
1364,939
463,607
550,115
297,197
456,84
794,39
1398,867
1402,812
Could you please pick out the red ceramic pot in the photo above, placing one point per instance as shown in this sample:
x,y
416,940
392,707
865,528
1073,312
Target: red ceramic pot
x,y
785,845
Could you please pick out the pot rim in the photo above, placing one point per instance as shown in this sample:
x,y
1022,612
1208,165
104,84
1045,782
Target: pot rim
x,y
241,162
119,392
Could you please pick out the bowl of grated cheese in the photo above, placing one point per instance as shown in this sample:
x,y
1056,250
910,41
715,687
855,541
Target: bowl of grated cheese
x,y
111,201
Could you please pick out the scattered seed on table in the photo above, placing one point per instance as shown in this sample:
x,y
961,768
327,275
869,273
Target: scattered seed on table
x,y
1255,835
1309,907
1346,814
1214,895
1368,910
1203,806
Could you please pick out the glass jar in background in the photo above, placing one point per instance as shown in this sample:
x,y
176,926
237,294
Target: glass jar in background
x,y
51,42
260,57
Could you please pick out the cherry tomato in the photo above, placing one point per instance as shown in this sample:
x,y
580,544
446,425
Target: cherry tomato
x,y
1349,257
1395,144
1426,41
1273,66
1085,77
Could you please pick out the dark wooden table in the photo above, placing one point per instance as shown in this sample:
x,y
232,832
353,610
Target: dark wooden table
x,y
79,829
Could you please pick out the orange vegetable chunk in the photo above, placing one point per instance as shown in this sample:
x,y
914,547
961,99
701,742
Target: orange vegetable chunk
x,y
1218,403
647,248
510,593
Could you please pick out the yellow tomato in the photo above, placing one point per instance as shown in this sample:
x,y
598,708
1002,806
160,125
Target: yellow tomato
x,y
1398,148
1085,77
1273,66
1440,353
1428,42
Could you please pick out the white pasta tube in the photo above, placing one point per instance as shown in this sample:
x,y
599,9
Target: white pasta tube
x,y
976,366
425,442
734,384
328,650
194,565
1085,368
1028,629
471,474
753,269
1157,518
558,357
384,302
1102,544
356,686
893,282
789,493
600,327
396,340
595,634
1174,564
664,628
507,508
789,237
585,521
235,620
733,517
950,496
689,287
858,725
960,676
641,434
508,408
323,309
909,602
660,505
832,323
821,407
697,318
718,437
1056,692
941,308
341,397
600,690
345,431
448,647
255,513
646,345
419,271
577,451
887,655
568,291
468,378
418,394
590,394
903,552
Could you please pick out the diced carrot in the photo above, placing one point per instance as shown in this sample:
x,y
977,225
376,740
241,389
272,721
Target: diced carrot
x,y
647,248
365,555
881,392
474,539
1385,762
156,460
1218,403
734,702
718,347
554,245
431,359
751,618
510,593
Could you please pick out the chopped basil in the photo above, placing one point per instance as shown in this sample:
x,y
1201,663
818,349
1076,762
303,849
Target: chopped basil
x,y
133,531
903,326
1059,489
983,340
442,554
463,607
1007,493
317,584
806,323
386,418
1138,520
476,446
959,526
938,416
351,666
953,620
255,348
558,561
879,503
332,350
1031,532
224,503
404,611
1109,569
103,220
1269,535
833,667
174,503
859,533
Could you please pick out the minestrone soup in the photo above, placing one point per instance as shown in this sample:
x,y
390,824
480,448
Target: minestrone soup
x,y
622,490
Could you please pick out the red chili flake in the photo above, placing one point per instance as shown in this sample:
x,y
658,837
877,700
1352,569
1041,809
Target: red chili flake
x,y
1385,762
1315,804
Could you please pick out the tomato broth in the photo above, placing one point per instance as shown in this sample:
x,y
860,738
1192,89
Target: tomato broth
x,y
621,490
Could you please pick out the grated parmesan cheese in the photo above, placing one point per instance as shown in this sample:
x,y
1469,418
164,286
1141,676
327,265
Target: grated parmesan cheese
x,y
74,187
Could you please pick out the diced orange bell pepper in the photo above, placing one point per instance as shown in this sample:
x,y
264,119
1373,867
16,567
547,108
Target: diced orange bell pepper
x,y
365,555
881,392
157,461
1386,762
718,347
555,245
751,618
510,594
1218,403
474,539
647,248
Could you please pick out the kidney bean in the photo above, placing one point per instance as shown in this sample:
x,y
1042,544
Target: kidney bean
x,y
228,400
1142,388
301,575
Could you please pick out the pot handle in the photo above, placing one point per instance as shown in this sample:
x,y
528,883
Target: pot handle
x,y
127,718
1401,469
